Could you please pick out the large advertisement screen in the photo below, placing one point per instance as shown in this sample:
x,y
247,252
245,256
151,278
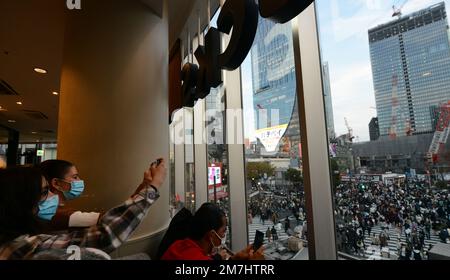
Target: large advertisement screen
x,y
215,170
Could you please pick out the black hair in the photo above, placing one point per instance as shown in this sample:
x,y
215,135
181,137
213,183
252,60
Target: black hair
x,y
208,217
55,168
20,193
179,229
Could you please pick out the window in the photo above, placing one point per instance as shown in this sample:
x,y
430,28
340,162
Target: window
x,y
273,159
189,180
390,178
217,150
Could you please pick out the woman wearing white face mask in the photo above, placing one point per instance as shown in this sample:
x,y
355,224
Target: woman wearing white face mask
x,y
64,181
207,238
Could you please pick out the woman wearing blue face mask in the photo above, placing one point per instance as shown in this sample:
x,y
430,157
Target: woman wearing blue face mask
x,y
25,196
64,180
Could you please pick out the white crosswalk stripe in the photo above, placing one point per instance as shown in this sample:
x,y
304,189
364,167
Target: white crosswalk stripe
x,y
392,242
257,225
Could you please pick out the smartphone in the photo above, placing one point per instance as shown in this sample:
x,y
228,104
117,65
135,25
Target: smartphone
x,y
259,240
157,162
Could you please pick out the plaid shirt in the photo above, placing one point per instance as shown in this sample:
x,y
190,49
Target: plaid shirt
x,y
113,229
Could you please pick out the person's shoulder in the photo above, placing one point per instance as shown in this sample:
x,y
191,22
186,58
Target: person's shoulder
x,y
185,249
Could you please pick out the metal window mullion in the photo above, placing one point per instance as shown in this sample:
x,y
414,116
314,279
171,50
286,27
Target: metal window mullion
x,y
201,163
180,157
236,165
316,165
236,162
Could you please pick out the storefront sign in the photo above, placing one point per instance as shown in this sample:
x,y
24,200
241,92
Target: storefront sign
x,y
73,4
241,16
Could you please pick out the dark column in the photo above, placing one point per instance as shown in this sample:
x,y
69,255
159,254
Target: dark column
x,y
13,145
37,159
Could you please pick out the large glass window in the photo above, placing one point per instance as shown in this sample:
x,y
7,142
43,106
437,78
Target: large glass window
x,y
177,165
217,151
217,148
189,181
386,86
172,191
3,147
273,159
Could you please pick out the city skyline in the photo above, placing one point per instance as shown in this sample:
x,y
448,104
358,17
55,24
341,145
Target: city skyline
x,y
344,44
343,27
410,58
269,83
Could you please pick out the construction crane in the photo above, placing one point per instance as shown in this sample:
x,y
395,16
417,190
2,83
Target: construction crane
x,y
350,136
441,134
398,11
408,128
395,105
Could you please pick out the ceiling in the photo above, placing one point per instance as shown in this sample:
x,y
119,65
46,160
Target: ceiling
x,y
32,35
156,6
184,15
179,11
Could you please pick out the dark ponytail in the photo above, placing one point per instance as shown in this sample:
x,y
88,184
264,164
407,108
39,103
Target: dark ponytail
x,y
20,193
185,225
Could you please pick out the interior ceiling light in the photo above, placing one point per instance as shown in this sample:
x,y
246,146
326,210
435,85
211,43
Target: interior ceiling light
x,y
40,70
19,103
11,121
55,93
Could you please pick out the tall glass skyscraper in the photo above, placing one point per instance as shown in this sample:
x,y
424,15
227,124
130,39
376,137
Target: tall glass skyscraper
x,y
274,86
273,71
411,70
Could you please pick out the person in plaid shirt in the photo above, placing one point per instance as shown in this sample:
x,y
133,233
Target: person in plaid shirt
x,y
24,190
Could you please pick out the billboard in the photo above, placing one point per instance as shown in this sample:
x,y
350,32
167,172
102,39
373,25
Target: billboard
x,y
215,169
271,136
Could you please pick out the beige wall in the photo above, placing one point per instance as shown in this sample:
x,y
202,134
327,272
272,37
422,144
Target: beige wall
x,y
113,118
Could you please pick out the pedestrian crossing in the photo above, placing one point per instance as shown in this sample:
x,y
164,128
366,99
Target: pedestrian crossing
x,y
393,241
257,225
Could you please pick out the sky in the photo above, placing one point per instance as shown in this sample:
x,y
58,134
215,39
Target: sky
x,y
343,37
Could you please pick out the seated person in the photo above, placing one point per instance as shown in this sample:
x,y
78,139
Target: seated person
x,y
24,193
206,237
64,181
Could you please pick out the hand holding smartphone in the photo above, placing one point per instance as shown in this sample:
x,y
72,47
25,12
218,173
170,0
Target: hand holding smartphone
x,y
157,162
158,172
259,240
231,253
